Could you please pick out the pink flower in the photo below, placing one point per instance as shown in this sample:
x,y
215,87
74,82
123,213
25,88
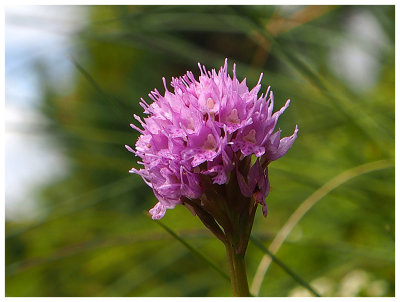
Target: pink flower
x,y
208,129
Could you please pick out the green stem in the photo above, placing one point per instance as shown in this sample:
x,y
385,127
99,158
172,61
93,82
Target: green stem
x,y
237,271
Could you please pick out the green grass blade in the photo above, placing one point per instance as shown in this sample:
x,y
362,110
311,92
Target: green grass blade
x,y
95,244
128,282
100,194
306,205
193,250
115,104
295,277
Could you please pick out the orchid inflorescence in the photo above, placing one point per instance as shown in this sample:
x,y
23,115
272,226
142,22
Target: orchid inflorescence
x,y
207,145
208,129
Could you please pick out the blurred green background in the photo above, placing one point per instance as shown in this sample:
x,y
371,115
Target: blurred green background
x,y
84,231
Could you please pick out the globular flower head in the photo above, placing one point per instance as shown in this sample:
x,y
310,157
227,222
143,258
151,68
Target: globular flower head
x,y
197,143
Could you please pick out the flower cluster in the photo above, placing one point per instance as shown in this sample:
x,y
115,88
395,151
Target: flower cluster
x,y
208,128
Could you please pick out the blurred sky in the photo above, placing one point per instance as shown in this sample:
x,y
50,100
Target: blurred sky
x,y
356,59
33,35
43,34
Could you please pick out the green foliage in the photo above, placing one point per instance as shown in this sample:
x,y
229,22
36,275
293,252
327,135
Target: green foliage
x,y
94,240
